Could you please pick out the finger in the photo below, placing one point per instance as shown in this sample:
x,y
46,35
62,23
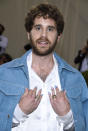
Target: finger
x,y
26,92
39,92
30,93
53,91
57,91
50,95
34,92
54,97
38,96
65,95
65,92
38,99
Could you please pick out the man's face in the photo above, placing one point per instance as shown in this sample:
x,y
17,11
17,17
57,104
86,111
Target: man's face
x,y
43,36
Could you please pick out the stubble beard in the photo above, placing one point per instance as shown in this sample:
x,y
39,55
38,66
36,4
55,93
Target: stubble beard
x,y
42,53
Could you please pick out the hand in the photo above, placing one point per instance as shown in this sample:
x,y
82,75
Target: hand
x,y
59,102
29,101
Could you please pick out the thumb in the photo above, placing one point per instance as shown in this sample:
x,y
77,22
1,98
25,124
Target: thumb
x,y
65,93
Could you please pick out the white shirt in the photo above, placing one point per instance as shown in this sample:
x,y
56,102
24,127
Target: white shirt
x,y
43,118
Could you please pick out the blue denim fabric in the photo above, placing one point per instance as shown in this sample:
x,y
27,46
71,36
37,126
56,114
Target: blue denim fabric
x,y
14,79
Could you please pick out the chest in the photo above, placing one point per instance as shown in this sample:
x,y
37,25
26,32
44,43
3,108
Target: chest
x,y
43,73
52,80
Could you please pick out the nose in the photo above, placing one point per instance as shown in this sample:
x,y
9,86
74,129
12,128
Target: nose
x,y
44,33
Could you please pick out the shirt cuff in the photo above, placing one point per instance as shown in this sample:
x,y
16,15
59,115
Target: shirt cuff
x,y
67,120
18,115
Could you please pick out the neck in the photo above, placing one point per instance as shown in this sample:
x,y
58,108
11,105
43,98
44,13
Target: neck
x,y
42,61
42,65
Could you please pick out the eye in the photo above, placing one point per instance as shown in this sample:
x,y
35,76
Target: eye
x,y
37,27
51,29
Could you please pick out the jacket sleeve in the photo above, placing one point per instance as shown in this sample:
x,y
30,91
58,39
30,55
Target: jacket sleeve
x,y
85,110
85,104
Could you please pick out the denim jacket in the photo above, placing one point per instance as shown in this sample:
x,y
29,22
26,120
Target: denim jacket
x,y
14,79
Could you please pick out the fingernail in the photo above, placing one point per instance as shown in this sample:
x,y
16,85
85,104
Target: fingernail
x,y
65,91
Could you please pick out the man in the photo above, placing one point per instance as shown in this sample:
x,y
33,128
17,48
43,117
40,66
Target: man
x,y
40,91
82,58
3,40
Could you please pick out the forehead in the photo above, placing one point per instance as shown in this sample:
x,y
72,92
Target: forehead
x,y
44,21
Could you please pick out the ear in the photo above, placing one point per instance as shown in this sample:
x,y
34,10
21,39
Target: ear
x,y
28,35
59,36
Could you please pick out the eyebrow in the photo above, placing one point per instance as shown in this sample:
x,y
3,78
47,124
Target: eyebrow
x,y
53,27
50,26
37,25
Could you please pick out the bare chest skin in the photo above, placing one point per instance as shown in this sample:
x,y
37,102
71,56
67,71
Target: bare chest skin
x,y
43,72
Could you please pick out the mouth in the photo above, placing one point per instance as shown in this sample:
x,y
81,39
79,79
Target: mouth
x,y
42,42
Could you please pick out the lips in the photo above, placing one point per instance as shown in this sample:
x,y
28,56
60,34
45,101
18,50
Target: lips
x,y
42,42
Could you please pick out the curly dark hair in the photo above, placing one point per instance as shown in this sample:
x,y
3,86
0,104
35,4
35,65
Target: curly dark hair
x,y
45,11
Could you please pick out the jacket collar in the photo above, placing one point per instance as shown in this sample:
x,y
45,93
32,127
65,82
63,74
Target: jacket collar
x,y
19,62
63,64
22,61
